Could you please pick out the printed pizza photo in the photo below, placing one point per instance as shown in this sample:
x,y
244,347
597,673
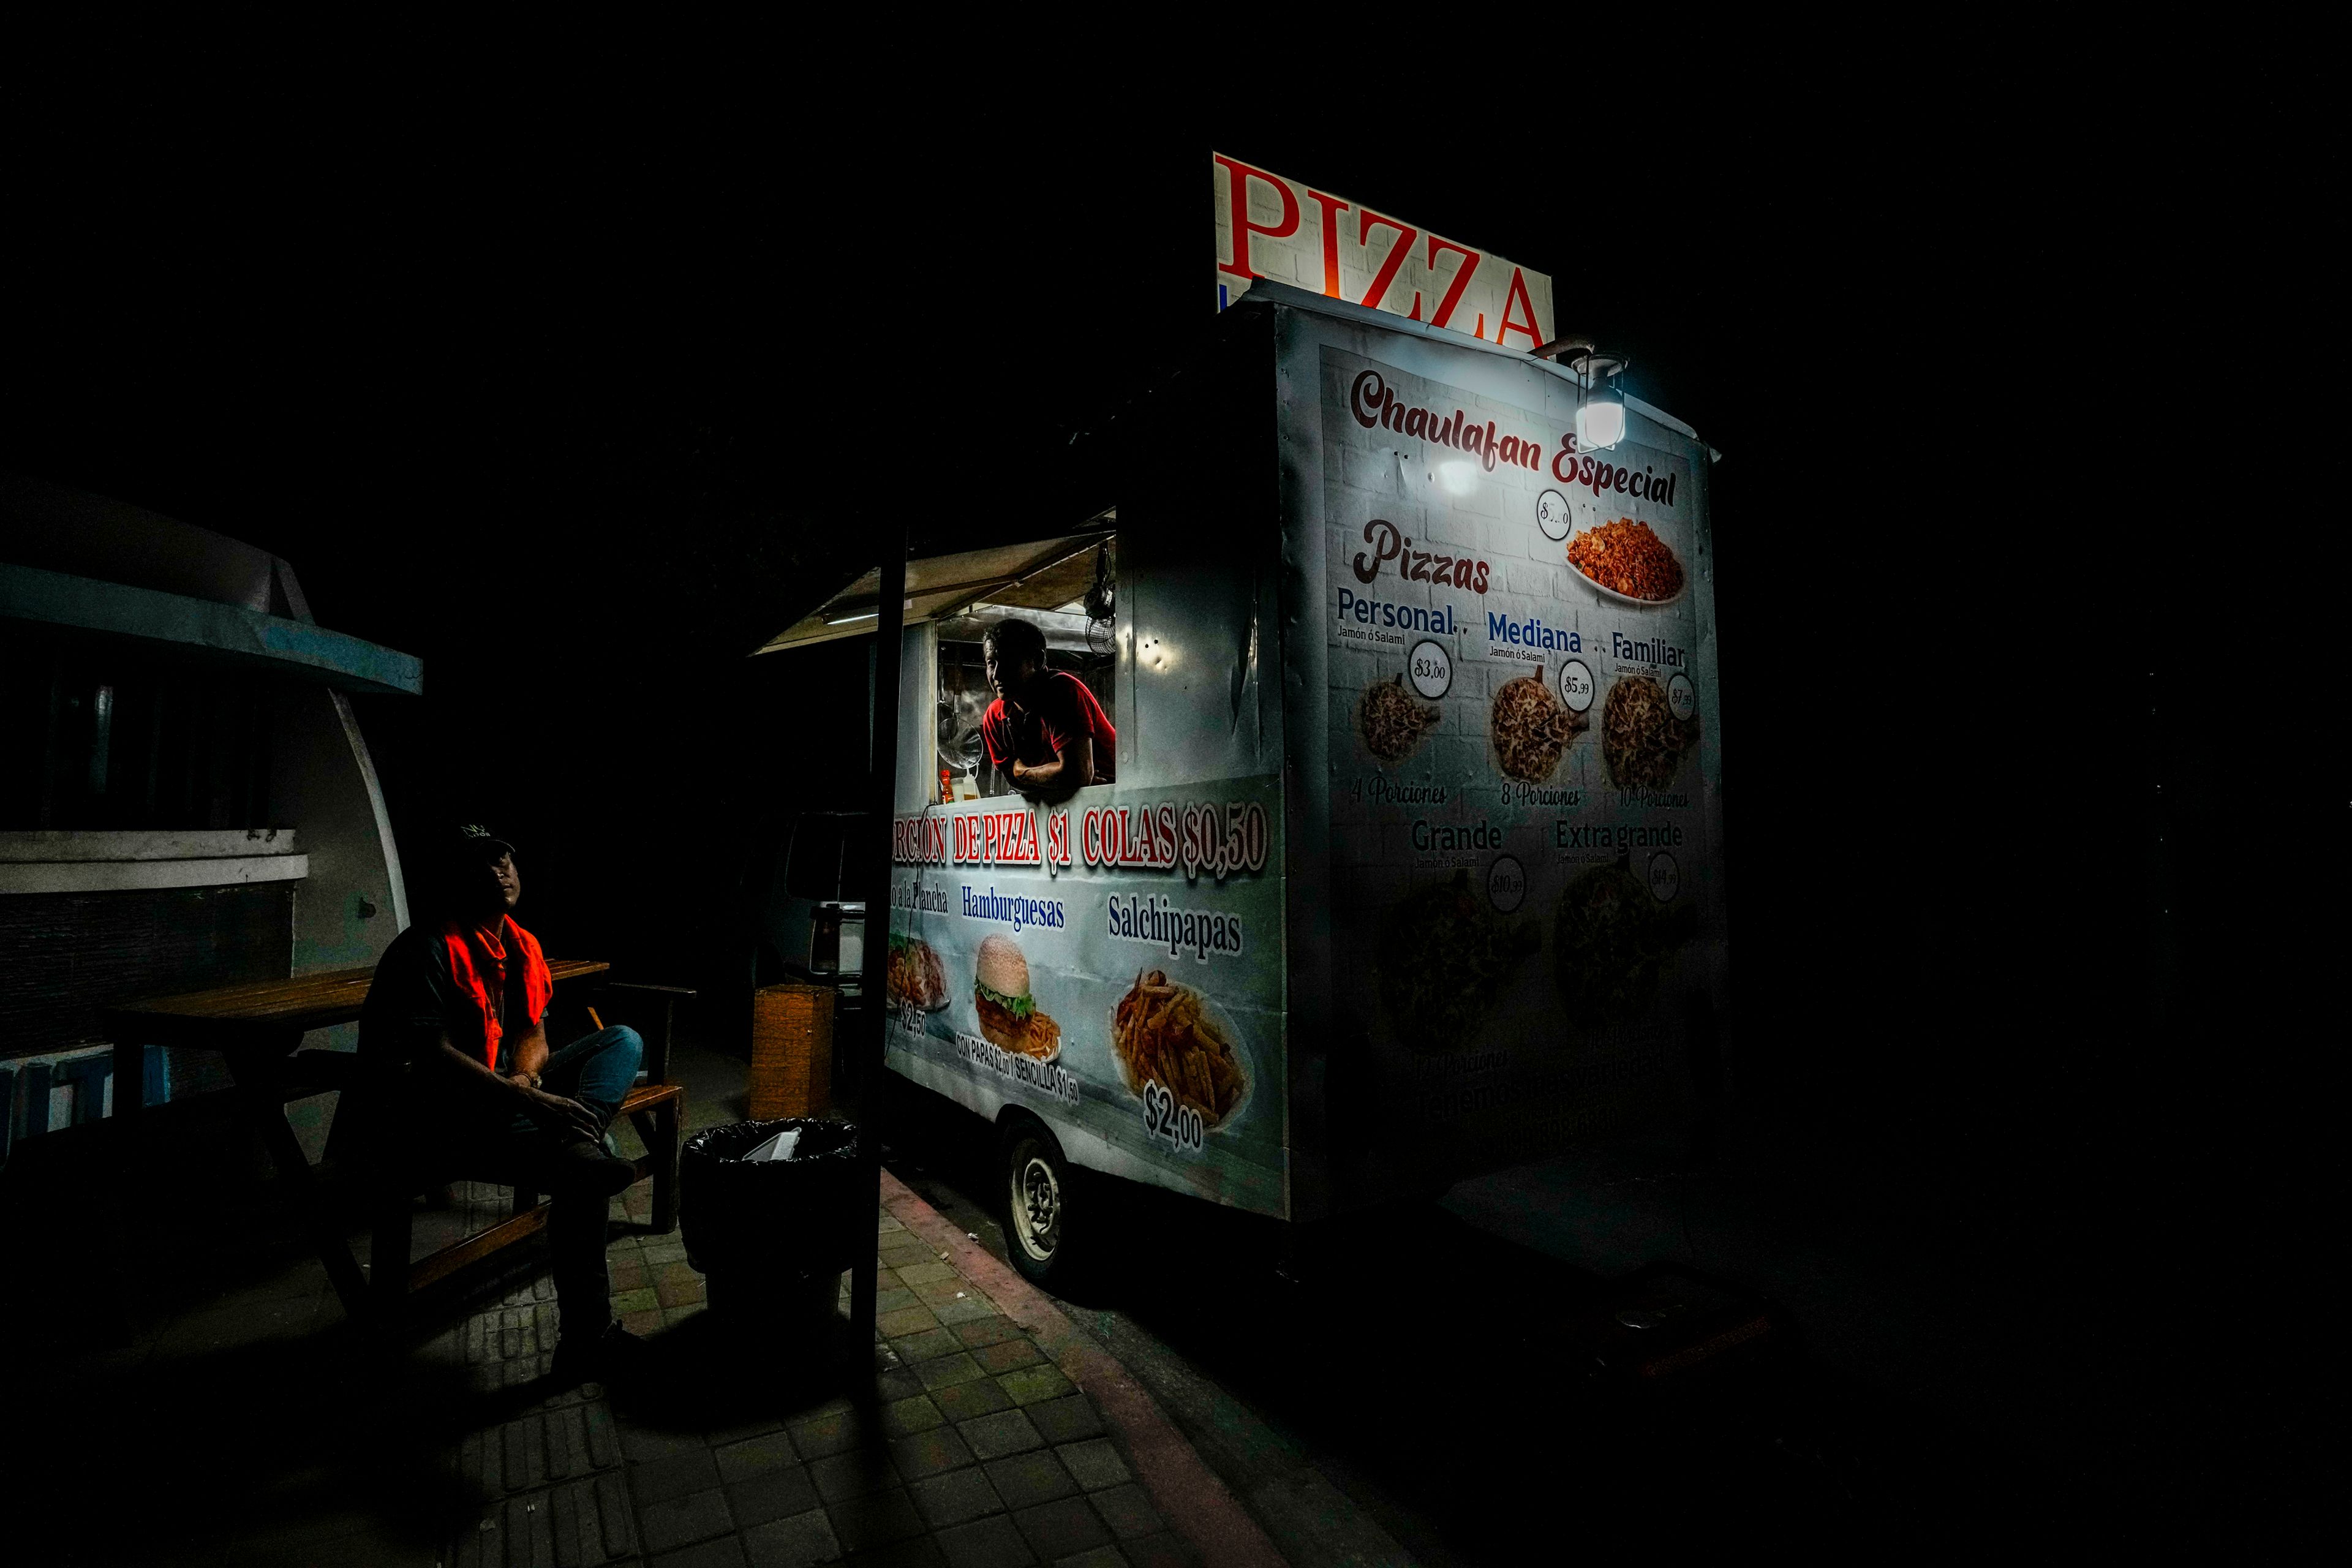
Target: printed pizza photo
x,y
1613,941
1391,721
1641,739
1443,956
1530,727
1163,1032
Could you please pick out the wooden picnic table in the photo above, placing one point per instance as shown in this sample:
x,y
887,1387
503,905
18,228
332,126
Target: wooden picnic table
x,y
257,1027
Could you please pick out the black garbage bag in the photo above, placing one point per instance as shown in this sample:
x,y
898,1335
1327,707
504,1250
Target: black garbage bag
x,y
774,1221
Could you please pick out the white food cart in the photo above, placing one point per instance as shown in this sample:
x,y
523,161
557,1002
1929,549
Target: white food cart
x,y
1412,863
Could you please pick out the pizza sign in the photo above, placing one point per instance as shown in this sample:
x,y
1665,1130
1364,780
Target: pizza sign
x,y
1272,226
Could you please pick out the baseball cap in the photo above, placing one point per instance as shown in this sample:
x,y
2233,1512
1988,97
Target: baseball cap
x,y
474,841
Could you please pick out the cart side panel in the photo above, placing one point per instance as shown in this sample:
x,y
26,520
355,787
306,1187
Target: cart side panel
x,y
1149,911
1525,940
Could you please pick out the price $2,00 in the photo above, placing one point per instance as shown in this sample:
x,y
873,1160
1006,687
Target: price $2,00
x,y
1165,1118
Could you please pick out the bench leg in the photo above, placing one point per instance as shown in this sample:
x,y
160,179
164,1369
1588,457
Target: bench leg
x,y
659,1127
266,1115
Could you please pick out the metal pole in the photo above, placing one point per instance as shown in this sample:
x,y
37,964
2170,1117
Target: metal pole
x,y
882,786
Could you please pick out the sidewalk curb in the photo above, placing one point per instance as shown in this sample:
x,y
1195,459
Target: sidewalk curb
x,y
1196,1503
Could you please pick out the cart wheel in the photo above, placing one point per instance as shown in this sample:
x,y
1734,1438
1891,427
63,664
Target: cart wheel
x,y
1036,1202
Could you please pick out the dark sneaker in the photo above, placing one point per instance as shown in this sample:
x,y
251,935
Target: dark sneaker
x,y
604,1357
596,1170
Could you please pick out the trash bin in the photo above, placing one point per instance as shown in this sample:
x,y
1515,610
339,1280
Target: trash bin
x,y
773,1236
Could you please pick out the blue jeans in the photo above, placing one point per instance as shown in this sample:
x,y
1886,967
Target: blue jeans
x,y
595,1069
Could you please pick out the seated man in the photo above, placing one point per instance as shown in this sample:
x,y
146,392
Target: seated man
x,y
1046,735
462,997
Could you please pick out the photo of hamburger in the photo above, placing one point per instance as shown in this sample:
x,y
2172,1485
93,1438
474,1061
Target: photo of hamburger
x,y
1008,1014
915,976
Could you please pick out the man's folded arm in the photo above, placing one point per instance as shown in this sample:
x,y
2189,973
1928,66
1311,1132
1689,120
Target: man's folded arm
x,y
1072,769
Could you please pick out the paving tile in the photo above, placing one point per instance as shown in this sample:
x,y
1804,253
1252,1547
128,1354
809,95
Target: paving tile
x,y
668,1250
895,1300
1062,1528
1005,1355
947,1369
1094,1464
875,1518
679,1293
726,1551
976,1396
643,1442
929,1453
903,1255
905,1321
831,1433
738,1461
1024,1479
643,1299
1099,1557
1128,1511
1034,1384
915,1349
657,1480
719,1436
954,1287
628,1274
1067,1420
832,1406
970,1310
899,1382
853,1474
648,1321
885,1225
991,1543
772,1494
925,1273
682,1521
905,1417
804,1537
1165,1550
957,1498
673,1316
1006,1432
988,1332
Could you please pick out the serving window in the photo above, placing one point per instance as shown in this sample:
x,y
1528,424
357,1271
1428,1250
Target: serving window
x,y
1074,603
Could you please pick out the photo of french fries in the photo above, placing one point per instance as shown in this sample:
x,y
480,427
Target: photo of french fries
x,y
1163,1032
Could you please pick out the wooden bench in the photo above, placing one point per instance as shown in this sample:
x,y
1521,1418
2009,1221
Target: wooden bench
x,y
257,1027
655,1108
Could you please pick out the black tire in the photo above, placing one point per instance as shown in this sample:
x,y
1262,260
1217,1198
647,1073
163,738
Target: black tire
x,y
1036,1197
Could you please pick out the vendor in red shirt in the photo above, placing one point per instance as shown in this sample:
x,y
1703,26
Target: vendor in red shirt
x,y
1046,733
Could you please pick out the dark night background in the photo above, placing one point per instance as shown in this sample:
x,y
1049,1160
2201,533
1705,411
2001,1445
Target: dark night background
x,y
558,373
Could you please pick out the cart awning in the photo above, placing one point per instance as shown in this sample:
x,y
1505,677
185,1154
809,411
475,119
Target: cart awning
x,y
1042,573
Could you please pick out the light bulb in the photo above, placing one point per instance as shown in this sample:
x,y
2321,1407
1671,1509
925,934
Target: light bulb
x,y
1599,425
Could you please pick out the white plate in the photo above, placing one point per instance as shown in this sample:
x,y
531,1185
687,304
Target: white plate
x,y
1611,593
1217,1014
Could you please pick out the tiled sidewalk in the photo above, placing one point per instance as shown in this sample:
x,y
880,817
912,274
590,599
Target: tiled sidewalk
x,y
977,1448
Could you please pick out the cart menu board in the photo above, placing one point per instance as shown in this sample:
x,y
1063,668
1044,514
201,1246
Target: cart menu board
x,y
1523,780
1113,964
